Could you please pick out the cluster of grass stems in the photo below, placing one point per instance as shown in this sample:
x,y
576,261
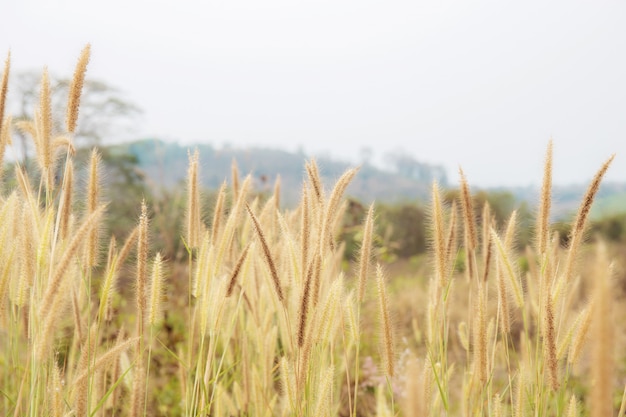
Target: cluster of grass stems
x,y
273,324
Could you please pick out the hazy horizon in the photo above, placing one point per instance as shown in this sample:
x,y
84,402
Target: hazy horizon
x,y
482,85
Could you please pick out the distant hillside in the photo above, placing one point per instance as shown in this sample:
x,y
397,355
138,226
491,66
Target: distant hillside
x,y
610,200
165,164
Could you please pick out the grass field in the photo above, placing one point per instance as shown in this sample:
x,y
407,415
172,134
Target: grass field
x,y
262,319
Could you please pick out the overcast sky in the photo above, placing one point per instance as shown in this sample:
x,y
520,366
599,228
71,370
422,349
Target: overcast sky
x,y
483,84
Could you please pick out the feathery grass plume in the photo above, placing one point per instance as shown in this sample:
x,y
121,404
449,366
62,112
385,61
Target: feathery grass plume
x,y
572,407
193,201
225,242
138,394
112,251
334,202
314,179
44,132
235,179
93,197
267,254
233,275
78,325
549,339
497,406
519,407
304,231
141,278
505,260
5,278
105,360
51,322
480,334
578,227
468,211
603,336
451,235
277,193
546,200
582,330
217,212
128,245
385,321
81,393
56,404
487,221
317,277
5,139
503,300
76,89
439,244
470,226
27,255
509,233
68,255
156,291
322,407
365,255
304,305
4,88
67,190
288,382
109,283
200,269
62,141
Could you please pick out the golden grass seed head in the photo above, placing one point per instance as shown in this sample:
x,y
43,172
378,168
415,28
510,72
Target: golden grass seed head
x,y
305,232
365,254
5,139
235,273
142,260
267,254
314,178
546,201
235,179
4,87
218,212
67,191
603,336
93,197
549,342
468,212
276,194
76,88
193,202
156,291
334,202
304,305
69,254
578,227
439,243
385,320
44,131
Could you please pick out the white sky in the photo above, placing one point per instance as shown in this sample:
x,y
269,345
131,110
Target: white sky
x,y
483,84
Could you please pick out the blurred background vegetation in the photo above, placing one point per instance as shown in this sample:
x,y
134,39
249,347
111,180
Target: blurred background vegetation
x,y
155,170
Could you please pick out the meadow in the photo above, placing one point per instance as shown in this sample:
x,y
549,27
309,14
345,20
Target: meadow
x,y
264,319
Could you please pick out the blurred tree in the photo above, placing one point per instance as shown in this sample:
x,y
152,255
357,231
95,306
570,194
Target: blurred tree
x,y
105,114
404,225
404,164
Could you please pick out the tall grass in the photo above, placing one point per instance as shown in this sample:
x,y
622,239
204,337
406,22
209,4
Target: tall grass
x,y
273,324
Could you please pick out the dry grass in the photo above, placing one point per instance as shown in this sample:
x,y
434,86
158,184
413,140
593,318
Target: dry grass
x,y
272,326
